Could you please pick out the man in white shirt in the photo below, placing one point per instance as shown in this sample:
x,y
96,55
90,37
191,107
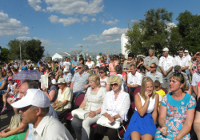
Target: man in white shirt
x,y
66,64
154,74
61,63
166,65
34,107
181,60
134,79
188,58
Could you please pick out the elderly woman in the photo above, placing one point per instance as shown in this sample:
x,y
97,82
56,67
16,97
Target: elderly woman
x,y
64,98
143,122
104,78
176,112
115,105
92,101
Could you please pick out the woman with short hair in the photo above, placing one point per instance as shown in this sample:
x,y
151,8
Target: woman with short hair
x,y
176,112
104,79
115,105
93,101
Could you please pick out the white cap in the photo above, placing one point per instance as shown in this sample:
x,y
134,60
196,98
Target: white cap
x,y
53,81
61,81
186,51
66,70
165,50
34,97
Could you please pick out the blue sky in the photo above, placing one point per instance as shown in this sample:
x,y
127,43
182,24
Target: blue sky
x,y
65,25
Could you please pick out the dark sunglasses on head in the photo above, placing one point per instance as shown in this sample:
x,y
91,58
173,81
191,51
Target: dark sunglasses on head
x,y
115,84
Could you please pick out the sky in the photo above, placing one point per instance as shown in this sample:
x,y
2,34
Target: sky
x,y
66,25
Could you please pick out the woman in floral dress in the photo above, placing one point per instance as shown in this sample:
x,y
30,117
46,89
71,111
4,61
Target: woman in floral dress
x,y
176,111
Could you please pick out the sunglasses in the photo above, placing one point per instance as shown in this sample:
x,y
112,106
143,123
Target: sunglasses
x,y
115,85
101,72
79,67
25,108
152,67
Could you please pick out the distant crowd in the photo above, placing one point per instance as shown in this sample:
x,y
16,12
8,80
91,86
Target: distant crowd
x,y
154,98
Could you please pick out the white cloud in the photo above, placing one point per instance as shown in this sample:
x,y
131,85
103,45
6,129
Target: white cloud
x,y
53,18
134,21
91,37
110,22
93,20
70,38
114,40
11,26
25,38
36,5
71,7
66,21
85,19
113,33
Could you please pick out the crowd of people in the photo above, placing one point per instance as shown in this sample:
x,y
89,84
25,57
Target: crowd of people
x,y
166,106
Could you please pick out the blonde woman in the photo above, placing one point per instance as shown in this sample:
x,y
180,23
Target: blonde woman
x,y
142,123
92,101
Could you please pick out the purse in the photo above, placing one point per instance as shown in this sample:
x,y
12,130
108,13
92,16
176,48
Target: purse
x,y
104,121
80,113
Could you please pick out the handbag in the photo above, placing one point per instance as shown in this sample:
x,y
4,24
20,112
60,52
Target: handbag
x,y
80,113
104,121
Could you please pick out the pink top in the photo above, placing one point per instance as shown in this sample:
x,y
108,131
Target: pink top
x,y
112,68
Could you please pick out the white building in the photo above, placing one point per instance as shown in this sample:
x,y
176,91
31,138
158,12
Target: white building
x,y
124,41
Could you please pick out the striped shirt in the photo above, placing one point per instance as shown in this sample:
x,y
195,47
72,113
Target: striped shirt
x,y
80,81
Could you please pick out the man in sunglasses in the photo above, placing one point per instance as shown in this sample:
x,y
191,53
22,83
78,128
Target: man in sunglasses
x,y
79,80
154,74
34,107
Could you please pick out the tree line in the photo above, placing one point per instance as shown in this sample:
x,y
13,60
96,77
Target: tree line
x,y
30,49
155,32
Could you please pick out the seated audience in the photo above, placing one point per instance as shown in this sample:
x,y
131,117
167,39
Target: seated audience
x,y
10,91
176,112
115,105
104,79
158,89
35,109
64,98
3,85
112,65
67,76
79,80
118,70
51,91
143,122
92,101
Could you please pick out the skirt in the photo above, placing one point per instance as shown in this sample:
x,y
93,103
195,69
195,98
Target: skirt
x,y
143,125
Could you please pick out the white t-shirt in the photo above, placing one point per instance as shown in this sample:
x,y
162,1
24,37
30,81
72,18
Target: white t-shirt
x,y
90,64
11,87
104,82
66,64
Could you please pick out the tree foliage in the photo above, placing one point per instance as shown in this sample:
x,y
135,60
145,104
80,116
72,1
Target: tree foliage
x,y
153,32
4,55
30,49
189,29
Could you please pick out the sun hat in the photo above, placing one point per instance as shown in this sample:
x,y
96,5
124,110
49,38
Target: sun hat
x,y
34,97
165,50
61,81
66,70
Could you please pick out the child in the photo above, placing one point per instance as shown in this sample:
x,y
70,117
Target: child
x,y
159,91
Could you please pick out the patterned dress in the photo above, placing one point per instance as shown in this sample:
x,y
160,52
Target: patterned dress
x,y
176,115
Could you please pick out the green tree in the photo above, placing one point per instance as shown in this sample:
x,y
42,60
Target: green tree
x,y
30,49
189,29
154,27
34,50
4,55
134,35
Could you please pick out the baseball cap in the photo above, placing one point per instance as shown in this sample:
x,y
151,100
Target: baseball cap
x,y
186,51
10,78
34,97
165,50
